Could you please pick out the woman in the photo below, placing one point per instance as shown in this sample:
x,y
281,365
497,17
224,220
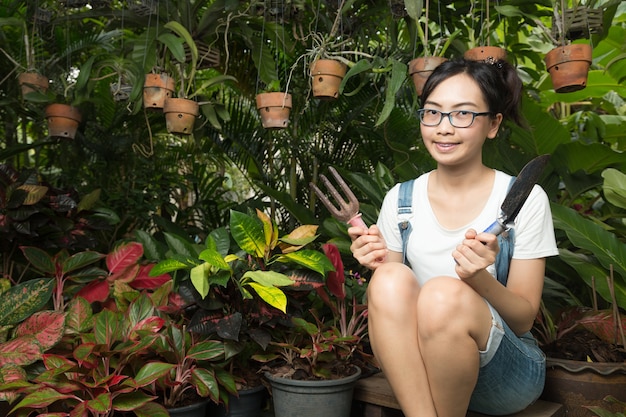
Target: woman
x,y
448,336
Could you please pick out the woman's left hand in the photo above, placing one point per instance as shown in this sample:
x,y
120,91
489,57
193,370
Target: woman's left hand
x,y
475,253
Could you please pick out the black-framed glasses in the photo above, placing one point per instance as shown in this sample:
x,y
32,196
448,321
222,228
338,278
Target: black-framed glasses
x,y
457,118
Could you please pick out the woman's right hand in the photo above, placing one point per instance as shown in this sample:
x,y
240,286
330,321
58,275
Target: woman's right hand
x,y
368,246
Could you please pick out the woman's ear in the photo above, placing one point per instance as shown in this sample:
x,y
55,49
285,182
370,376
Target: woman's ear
x,y
495,126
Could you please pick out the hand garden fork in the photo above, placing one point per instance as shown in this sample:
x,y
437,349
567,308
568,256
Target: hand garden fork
x,y
348,211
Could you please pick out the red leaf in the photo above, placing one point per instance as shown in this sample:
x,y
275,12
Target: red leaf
x,y
20,351
602,324
46,326
151,324
335,279
125,275
143,281
124,256
95,291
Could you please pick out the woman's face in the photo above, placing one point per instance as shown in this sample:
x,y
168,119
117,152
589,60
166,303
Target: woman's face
x,y
451,145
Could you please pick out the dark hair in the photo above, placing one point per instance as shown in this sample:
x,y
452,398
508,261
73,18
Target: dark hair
x,y
498,81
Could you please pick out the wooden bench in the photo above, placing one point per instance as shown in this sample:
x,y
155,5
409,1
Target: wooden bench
x,y
374,398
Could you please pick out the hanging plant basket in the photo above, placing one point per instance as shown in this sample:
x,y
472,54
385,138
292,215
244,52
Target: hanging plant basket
x,y
121,91
180,115
31,82
568,67
326,75
156,89
421,68
486,53
63,120
274,109
580,22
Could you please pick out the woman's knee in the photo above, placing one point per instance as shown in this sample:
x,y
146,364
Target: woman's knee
x,y
443,300
392,283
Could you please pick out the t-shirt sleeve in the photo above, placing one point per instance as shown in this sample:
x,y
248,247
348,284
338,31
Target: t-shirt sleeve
x,y
534,230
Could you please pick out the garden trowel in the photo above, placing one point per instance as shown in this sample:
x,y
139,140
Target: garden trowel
x,y
518,193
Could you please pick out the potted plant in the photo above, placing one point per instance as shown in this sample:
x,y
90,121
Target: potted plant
x,y
587,338
567,63
420,68
312,370
181,96
30,78
486,52
238,278
193,369
274,106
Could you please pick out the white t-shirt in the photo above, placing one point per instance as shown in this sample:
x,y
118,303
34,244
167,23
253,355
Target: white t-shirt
x,y
430,245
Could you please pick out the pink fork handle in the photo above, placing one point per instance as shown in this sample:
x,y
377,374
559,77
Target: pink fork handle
x,y
357,221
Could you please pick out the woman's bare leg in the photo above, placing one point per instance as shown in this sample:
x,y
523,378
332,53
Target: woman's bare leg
x,y
392,314
454,324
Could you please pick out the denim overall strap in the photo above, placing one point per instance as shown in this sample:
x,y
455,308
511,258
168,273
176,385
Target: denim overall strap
x,y
405,211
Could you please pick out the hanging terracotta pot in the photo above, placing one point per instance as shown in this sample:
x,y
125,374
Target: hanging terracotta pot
x,y
421,68
327,75
274,109
63,120
568,67
486,53
31,82
156,89
180,115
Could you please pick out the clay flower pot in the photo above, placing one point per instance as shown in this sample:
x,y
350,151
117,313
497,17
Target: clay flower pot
x,y
180,115
568,67
63,120
421,68
326,75
156,89
274,109
32,82
486,53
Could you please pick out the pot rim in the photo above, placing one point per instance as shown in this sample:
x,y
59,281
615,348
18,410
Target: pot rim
x,y
602,368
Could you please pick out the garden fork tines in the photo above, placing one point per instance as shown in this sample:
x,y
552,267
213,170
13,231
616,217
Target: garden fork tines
x,y
348,210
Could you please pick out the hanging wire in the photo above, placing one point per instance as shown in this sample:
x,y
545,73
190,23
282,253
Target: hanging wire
x,y
258,73
488,22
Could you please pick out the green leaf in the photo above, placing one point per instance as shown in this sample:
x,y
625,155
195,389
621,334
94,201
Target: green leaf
x,y
41,398
80,260
214,258
180,246
200,278
22,300
166,266
206,351
152,371
131,401
150,246
271,295
394,83
205,382
269,278
311,259
248,233
40,259
614,187
588,235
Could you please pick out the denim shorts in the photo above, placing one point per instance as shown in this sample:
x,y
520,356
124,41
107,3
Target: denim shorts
x,y
512,371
